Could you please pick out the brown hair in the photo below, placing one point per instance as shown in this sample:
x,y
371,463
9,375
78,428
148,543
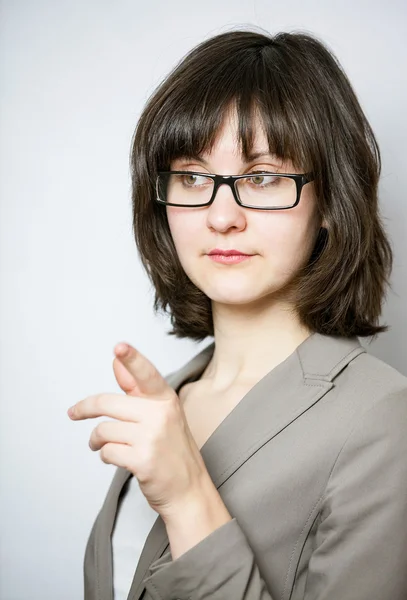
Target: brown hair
x,y
312,117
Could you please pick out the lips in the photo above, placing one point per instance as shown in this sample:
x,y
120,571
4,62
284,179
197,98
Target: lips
x,y
218,251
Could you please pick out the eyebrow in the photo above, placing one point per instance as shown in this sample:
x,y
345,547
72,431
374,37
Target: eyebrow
x,y
251,157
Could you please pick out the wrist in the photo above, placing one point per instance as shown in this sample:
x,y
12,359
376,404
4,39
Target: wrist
x,y
203,498
191,521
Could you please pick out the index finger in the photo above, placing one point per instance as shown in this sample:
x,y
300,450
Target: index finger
x,y
117,406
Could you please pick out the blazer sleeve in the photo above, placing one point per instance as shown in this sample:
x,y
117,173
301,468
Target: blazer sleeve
x,y
361,539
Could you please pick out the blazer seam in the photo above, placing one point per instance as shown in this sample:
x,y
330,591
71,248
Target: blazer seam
x,y
321,497
297,542
317,517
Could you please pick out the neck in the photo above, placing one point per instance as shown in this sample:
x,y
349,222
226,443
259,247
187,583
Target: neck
x,y
251,342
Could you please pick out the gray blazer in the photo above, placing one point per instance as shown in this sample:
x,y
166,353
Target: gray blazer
x,y
312,466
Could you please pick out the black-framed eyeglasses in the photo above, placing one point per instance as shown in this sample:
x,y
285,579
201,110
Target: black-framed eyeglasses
x,y
262,190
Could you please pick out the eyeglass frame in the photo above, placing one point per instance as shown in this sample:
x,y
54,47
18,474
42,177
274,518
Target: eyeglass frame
x,y
300,179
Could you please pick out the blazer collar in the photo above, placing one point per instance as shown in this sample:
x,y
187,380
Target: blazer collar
x,y
279,398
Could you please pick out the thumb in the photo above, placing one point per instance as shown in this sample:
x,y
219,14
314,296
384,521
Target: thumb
x,y
125,379
136,375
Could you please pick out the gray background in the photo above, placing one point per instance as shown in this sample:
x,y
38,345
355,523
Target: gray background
x,y
74,77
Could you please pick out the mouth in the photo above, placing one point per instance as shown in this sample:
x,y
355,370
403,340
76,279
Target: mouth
x,y
230,259
220,252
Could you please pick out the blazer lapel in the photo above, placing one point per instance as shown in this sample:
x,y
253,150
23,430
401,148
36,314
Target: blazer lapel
x,y
280,397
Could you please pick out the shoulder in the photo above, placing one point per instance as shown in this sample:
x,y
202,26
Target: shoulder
x,y
372,383
376,371
375,441
356,380
359,380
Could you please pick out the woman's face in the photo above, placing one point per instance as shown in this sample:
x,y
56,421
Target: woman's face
x,y
279,241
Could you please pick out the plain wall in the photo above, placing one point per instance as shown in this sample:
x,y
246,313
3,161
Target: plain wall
x,y
74,77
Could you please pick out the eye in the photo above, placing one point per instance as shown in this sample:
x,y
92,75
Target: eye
x,y
193,181
262,179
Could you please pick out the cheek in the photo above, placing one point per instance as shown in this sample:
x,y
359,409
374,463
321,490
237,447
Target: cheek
x,y
287,238
185,231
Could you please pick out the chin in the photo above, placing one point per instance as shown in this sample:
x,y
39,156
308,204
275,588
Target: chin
x,y
241,295
228,287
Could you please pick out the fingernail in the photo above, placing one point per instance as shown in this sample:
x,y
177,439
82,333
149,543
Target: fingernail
x,y
71,411
122,348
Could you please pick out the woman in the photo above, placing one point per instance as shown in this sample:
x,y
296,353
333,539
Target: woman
x,y
279,469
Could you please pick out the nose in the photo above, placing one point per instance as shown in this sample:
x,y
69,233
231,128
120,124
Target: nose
x,y
225,212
